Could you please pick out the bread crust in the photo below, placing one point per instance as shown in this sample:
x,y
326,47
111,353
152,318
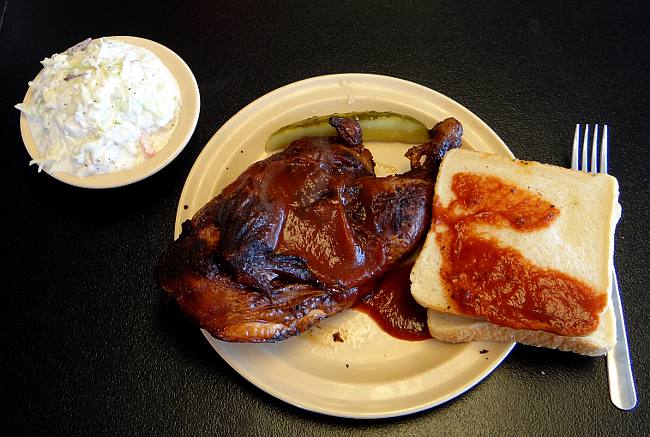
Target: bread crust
x,y
452,328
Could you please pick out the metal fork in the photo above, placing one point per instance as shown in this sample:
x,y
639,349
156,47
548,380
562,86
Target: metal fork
x,y
619,370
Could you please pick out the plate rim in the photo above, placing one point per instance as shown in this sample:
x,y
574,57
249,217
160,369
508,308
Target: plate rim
x,y
366,415
188,117
213,147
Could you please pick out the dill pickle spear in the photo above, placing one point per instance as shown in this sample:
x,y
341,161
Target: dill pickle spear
x,y
376,126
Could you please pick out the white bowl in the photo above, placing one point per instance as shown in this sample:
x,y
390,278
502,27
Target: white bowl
x,y
189,115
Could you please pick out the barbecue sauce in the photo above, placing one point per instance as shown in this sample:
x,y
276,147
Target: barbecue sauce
x,y
326,221
393,308
488,280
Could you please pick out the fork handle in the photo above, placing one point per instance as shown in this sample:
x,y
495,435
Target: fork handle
x,y
619,369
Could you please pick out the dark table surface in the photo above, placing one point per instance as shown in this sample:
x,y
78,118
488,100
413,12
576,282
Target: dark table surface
x,y
89,345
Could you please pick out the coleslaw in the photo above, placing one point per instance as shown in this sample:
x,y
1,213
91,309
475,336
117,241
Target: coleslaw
x,y
103,105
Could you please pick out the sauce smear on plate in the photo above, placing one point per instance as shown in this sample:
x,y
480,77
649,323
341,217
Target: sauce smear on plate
x,y
393,308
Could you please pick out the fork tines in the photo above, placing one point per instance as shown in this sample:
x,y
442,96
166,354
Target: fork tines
x,y
583,164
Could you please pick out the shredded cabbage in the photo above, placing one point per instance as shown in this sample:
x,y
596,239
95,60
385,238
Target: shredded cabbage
x,y
100,106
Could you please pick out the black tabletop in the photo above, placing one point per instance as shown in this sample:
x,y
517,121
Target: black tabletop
x,y
89,344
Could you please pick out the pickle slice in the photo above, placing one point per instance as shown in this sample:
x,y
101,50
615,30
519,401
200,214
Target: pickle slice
x,y
376,126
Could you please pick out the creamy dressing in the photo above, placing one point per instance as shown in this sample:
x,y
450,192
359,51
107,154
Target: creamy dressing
x,y
103,105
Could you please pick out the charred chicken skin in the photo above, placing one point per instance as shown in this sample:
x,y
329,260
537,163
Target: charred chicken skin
x,y
301,235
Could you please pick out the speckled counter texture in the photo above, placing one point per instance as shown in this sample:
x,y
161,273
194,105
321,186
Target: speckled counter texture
x,y
89,345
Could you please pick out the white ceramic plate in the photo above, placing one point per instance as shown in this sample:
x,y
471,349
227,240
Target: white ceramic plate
x,y
370,374
189,114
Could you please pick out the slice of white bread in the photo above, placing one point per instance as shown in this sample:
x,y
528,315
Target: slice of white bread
x,y
578,243
453,328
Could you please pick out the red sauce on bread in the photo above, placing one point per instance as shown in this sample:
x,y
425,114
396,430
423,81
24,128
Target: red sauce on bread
x,y
393,308
497,283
